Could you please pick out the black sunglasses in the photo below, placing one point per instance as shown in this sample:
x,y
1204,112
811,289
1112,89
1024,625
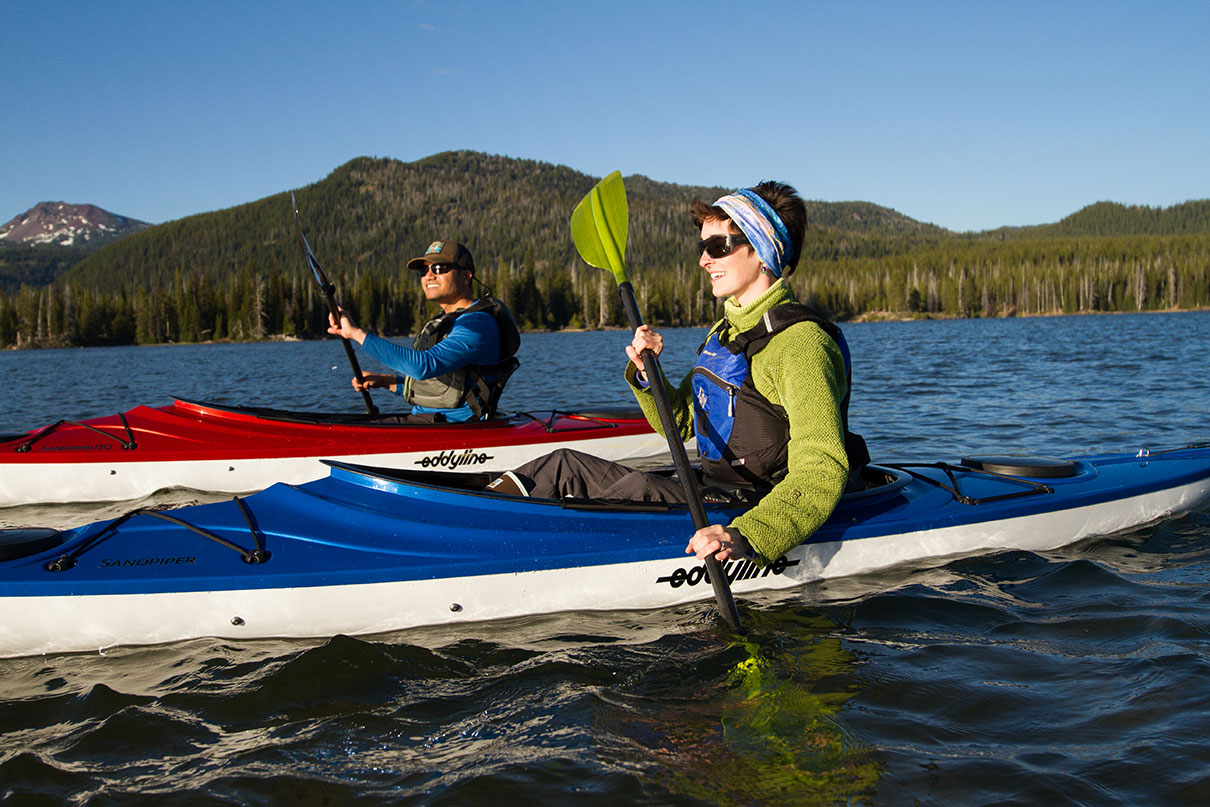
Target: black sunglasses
x,y
719,246
435,268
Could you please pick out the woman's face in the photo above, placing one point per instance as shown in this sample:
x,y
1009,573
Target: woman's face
x,y
735,274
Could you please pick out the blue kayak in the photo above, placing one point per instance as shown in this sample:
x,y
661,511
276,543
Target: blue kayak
x,y
369,550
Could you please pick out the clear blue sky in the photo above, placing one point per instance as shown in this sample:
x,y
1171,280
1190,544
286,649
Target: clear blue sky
x,y
970,115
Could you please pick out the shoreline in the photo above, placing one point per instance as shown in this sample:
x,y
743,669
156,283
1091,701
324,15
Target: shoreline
x,y
889,316
868,316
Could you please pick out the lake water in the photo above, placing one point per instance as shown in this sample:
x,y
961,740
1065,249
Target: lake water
x,y
1074,677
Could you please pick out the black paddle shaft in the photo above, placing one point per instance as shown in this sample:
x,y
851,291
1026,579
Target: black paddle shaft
x,y
680,459
329,292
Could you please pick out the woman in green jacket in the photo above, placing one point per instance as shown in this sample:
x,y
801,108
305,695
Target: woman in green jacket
x,y
767,399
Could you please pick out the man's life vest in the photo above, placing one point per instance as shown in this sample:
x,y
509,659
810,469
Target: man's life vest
x,y
742,438
478,385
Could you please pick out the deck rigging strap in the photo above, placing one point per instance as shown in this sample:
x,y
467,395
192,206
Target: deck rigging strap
x,y
548,424
254,556
1145,452
959,496
128,444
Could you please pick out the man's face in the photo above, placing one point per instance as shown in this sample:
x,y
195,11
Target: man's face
x,y
443,283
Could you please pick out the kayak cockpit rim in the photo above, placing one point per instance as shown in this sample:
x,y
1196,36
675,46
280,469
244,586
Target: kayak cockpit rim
x,y
605,417
882,482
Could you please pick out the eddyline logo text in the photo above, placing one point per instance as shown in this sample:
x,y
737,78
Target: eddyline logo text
x,y
735,570
452,459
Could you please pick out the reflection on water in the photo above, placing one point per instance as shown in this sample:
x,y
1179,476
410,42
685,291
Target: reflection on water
x,y
739,722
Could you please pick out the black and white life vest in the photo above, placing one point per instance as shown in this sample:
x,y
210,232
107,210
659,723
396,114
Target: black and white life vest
x,y
742,438
478,385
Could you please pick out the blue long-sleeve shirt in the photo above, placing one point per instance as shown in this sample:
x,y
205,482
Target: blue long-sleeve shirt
x,y
474,339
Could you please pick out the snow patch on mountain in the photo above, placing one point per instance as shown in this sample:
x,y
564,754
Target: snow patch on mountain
x,y
66,225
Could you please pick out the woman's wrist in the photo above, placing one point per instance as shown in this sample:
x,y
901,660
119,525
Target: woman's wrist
x,y
741,543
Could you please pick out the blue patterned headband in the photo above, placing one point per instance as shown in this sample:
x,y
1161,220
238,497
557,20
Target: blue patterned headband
x,y
759,222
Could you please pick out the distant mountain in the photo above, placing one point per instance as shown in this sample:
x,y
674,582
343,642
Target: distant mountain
x,y
68,225
869,219
239,273
1111,218
1114,219
373,214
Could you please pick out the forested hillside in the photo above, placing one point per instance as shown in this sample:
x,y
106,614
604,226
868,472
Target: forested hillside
x,y
239,273
35,264
1111,218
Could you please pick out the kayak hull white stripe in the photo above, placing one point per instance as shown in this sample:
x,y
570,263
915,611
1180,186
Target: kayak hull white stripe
x,y
34,625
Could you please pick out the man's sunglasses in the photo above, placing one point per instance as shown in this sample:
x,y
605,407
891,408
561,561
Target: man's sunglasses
x,y
720,246
435,268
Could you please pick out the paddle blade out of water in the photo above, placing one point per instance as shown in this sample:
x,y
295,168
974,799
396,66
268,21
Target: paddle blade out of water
x,y
598,226
329,293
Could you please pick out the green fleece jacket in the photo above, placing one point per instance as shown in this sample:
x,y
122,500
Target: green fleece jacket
x,y
801,370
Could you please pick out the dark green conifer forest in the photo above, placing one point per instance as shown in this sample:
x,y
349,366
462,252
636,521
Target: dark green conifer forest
x,y
239,274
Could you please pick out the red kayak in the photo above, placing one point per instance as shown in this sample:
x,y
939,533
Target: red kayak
x,y
233,449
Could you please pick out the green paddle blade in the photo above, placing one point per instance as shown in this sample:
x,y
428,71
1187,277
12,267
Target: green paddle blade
x,y
599,224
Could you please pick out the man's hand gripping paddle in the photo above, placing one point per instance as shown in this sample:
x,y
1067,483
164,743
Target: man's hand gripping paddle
x,y
329,291
598,226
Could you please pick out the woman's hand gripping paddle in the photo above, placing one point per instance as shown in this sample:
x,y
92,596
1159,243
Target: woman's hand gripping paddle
x,y
598,226
329,291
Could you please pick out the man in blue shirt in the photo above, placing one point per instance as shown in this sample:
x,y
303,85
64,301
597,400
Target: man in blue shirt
x,y
459,361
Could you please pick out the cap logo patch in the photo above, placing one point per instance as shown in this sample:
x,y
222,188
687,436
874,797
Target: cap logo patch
x,y
436,246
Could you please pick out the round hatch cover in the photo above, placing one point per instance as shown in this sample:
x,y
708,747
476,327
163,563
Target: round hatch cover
x,y
1013,465
17,543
